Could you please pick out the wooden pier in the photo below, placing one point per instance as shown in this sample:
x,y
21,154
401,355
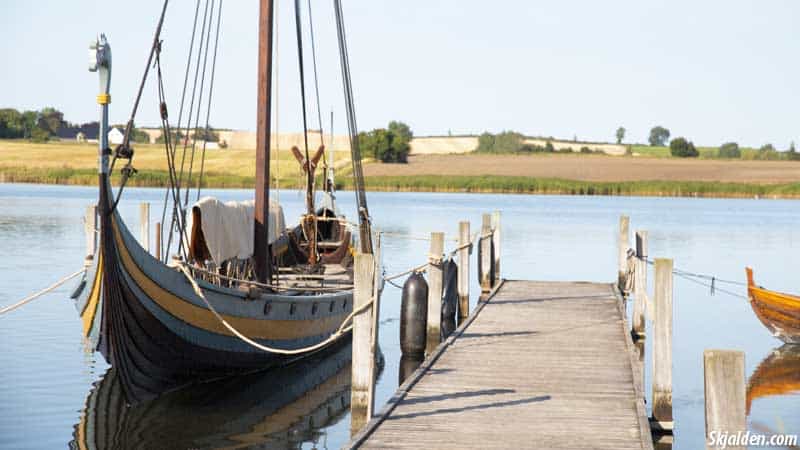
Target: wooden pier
x,y
536,365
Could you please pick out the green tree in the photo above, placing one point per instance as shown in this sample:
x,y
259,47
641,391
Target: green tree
x,y
51,120
792,153
389,145
29,119
401,140
768,152
485,142
508,142
11,124
682,148
658,136
730,150
39,135
620,134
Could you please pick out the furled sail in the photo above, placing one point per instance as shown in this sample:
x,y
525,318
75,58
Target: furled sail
x,y
220,231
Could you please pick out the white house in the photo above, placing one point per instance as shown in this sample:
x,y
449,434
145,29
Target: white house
x,y
115,136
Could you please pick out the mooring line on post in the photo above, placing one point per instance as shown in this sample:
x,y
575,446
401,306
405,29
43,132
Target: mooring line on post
x,y
36,295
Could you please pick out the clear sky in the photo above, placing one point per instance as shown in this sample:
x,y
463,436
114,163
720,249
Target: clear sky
x,y
710,70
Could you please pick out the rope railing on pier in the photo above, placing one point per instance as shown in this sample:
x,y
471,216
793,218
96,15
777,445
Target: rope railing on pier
x,y
44,291
709,281
435,259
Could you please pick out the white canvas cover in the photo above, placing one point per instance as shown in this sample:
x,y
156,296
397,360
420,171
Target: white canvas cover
x,y
228,227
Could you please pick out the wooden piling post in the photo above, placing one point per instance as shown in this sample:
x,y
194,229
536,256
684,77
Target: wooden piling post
x,y
623,244
662,346
377,285
724,395
485,260
361,375
640,284
90,229
144,222
463,271
157,248
435,285
496,246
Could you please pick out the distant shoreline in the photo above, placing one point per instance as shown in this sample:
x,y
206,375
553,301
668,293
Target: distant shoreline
x,y
556,174
489,184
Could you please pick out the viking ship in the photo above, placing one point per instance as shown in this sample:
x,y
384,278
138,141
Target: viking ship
x,y
778,374
779,312
243,411
240,293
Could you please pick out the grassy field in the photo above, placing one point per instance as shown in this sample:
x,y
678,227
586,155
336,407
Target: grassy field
x,y
653,175
74,163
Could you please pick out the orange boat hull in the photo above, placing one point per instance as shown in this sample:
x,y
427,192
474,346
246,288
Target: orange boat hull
x,y
779,312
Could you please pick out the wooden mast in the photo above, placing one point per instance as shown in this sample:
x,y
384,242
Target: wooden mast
x,y
262,257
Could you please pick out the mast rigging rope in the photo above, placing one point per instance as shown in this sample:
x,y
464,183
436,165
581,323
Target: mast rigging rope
x,y
358,173
316,78
210,94
173,146
199,105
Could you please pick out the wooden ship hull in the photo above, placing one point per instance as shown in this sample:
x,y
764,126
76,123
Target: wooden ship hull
x,y
243,293
238,412
778,374
149,323
779,312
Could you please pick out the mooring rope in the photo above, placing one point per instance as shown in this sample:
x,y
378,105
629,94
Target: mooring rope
x,y
33,297
432,260
343,328
697,277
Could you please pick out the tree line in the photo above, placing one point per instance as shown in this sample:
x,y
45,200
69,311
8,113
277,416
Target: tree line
x,y
682,147
34,125
48,123
389,145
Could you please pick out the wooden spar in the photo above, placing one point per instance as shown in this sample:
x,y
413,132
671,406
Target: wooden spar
x,y
261,250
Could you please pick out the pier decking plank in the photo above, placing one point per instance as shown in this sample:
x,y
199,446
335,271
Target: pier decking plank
x,y
540,365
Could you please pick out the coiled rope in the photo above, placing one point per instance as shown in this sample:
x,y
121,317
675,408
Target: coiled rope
x,y
343,328
33,297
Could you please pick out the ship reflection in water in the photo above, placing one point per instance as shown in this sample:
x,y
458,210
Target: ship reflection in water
x,y
777,375
277,409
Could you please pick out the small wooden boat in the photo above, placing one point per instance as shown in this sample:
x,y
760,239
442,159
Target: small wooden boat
x,y
778,374
779,312
243,411
166,322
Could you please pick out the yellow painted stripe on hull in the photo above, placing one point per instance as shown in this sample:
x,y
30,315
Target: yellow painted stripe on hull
x,y
94,298
205,320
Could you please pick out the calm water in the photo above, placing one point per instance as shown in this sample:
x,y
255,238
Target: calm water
x,y
47,375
